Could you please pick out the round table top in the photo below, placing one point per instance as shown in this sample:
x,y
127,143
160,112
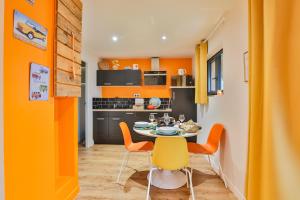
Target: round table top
x,y
149,134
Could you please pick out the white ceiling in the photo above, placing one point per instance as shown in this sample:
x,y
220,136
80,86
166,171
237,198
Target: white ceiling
x,y
139,25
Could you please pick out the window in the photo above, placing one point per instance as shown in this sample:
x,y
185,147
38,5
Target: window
x,y
215,74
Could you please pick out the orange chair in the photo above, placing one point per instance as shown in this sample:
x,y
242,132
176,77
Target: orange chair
x,y
211,145
132,147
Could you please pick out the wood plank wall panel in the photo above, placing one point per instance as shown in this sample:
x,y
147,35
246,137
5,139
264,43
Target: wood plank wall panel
x,y
68,48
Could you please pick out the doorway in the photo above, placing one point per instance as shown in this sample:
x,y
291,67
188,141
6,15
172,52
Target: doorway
x,y
82,106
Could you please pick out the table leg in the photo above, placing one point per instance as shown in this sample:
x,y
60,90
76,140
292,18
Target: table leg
x,y
166,179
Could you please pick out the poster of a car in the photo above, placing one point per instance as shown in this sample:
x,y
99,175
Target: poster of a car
x,y
29,31
31,1
39,82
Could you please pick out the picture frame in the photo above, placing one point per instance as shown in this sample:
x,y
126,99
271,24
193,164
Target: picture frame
x,y
39,82
31,1
29,31
246,66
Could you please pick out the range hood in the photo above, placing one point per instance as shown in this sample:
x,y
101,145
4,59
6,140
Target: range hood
x,y
155,64
155,77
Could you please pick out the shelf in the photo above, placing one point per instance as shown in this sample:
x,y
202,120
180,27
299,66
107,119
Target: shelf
x,y
182,87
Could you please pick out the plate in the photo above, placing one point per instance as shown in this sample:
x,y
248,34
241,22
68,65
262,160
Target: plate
x,y
167,130
141,124
156,102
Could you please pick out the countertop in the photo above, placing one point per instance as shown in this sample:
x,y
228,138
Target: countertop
x,y
132,110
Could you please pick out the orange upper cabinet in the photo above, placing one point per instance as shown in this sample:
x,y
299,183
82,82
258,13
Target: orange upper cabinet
x,y
68,48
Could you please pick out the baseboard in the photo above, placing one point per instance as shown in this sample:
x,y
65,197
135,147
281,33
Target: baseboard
x,y
229,183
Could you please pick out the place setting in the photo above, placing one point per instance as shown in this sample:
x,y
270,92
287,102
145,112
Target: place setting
x,y
166,126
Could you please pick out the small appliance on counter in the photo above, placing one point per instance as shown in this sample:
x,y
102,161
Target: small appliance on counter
x,y
186,80
138,104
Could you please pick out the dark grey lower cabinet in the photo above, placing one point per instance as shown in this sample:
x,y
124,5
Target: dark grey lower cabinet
x,y
100,127
107,129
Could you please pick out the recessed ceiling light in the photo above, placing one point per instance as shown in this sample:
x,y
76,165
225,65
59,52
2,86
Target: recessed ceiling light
x,y
164,37
115,38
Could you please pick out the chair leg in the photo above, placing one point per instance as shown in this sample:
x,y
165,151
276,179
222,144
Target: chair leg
x,y
149,159
187,178
124,164
209,160
191,184
149,184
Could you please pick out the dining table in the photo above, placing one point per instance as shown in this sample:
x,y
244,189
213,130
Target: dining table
x,y
166,179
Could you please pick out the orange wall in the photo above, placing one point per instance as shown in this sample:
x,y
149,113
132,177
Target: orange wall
x,y
171,65
29,134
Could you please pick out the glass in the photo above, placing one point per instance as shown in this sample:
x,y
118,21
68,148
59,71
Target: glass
x,y
166,115
181,118
151,118
167,120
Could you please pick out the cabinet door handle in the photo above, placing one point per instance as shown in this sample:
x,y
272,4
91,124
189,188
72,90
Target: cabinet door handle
x,y
129,113
173,96
107,83
100,119
116,119
153,113
129,83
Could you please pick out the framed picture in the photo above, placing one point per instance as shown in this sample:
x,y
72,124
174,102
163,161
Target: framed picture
x,y
31,1
246,66
29,31
39,82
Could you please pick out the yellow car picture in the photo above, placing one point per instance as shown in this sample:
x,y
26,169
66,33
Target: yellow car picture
x,y
30,30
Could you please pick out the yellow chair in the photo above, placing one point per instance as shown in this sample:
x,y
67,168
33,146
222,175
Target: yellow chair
x,y
170,153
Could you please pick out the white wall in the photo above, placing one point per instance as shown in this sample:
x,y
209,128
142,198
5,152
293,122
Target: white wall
x,y
231,109
1,102
91,89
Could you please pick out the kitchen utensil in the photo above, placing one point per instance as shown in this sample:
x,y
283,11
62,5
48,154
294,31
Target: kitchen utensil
x,y
151,117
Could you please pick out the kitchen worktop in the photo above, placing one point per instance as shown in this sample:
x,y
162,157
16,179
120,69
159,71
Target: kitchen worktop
x,y
132,110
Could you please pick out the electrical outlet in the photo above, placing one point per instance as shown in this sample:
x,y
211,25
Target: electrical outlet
x,y
136,95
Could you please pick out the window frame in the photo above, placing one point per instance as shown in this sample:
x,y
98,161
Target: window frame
x,y
218,60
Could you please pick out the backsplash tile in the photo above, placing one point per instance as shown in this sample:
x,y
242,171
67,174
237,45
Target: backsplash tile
x,y
124,103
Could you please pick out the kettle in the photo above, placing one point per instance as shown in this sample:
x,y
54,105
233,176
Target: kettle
x,y
181,72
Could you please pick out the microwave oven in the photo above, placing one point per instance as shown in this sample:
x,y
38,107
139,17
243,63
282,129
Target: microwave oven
x,y
155,77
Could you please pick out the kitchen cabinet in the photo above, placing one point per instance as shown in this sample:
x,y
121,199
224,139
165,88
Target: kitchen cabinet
x,y
119,78
100,126
107,129
183,102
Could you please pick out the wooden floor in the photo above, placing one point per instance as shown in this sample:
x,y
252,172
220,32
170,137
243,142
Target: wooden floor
x,y
99,166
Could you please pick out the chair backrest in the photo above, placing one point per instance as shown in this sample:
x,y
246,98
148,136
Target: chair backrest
x,y
126,134
215,136
170,153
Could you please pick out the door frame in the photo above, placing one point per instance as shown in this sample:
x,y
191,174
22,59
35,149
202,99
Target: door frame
x,y
1,100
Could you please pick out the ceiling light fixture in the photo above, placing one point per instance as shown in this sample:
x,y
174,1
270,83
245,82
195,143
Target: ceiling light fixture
x,y
164,37
115,38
